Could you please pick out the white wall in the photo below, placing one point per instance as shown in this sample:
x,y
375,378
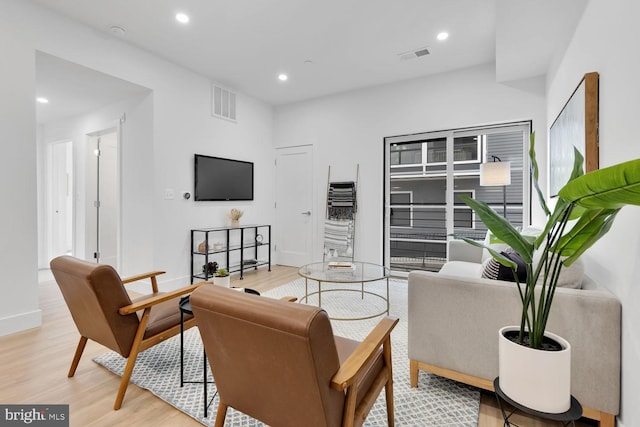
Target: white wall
x,y
349,128
18,244
606,41
182,125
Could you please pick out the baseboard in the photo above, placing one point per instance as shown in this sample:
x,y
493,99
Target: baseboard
x,y
20,322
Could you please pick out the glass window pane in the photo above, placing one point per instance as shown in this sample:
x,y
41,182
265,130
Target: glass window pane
x,y
465,149
437,151
409,153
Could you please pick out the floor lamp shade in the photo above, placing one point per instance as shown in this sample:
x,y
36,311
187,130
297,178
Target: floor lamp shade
x,y
495,173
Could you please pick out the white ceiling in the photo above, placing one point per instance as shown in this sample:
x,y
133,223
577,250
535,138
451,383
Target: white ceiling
x,y
245,44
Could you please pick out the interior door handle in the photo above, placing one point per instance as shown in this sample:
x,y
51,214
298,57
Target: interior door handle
x,y
306,213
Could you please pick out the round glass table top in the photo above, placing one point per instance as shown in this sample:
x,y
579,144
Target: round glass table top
x,y
344,272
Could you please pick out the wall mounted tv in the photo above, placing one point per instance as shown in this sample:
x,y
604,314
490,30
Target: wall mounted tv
x,y
222,179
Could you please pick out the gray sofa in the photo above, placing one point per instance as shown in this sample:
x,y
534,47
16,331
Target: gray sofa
x,y
454,317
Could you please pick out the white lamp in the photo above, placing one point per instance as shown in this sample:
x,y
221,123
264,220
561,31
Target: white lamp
x,y
494,174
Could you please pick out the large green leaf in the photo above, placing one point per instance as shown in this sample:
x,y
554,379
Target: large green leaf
x,y
576,172
534,173
590,228
501,228
561,204
608,188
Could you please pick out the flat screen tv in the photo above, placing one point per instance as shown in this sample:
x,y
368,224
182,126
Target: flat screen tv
x,y
222,179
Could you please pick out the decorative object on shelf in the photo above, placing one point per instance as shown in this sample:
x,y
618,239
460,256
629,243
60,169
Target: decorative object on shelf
x,y
221,277
202,247
210,268
235,215
217,246
591,202
249,262
259,238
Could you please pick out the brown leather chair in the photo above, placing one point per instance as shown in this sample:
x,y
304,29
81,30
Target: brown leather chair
x,y
280,363
104,313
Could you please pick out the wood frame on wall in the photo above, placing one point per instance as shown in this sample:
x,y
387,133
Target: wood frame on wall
x,y
576,125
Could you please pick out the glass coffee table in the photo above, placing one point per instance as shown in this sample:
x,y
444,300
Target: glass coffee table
x,y
345,273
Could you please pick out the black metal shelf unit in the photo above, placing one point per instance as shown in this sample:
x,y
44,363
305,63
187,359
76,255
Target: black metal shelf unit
x,y
235,248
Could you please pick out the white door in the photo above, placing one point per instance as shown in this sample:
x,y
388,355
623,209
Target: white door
x,y
103,199
294,198
61,199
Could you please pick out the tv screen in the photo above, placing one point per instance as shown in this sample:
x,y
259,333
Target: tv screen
x,y
222,179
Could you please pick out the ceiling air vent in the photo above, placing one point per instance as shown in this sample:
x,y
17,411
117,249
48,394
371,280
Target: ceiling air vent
x,y
413,54
223,103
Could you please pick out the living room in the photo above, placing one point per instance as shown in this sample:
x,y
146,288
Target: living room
x,y
170,121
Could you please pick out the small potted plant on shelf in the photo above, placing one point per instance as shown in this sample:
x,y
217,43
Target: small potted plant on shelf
x,y
221,277
235,216
585,210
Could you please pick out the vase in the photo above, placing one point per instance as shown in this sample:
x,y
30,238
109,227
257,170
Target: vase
x,y
224,281
537,379
235,223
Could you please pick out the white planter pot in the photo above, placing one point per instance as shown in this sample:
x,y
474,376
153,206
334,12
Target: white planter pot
x,y
222,281
537,379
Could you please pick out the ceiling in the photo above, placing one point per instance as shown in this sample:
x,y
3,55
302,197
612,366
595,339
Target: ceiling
x,y
332,46
72,89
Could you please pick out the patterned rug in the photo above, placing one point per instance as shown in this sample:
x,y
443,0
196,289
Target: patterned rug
x,y
436,401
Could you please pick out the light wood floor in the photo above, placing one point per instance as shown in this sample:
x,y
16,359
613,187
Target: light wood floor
x,y
34,365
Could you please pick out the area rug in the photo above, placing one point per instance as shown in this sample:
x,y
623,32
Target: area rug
x,y
436,402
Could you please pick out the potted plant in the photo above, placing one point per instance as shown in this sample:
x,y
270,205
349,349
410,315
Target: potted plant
x,y
234,216
221,277
585,210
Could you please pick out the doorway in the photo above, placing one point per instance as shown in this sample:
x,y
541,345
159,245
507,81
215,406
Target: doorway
x,y
61,200
294,205
102,206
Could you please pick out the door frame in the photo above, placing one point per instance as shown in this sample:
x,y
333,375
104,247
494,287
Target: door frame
x,y
117,130
525,126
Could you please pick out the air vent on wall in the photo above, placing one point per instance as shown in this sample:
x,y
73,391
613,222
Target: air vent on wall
x,y
423,51
223,103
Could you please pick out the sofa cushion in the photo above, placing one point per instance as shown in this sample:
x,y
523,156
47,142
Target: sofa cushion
x,y
491,241
570,277
492,269
498,245
462,268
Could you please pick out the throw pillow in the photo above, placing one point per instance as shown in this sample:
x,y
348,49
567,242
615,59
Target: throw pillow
x,y
496,271
494,243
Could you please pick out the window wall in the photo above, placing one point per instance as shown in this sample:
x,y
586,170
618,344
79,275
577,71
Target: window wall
x,y
424,176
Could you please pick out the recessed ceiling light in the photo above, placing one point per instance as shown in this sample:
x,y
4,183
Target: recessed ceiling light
x,y
182,18
442,36
42,100
283,77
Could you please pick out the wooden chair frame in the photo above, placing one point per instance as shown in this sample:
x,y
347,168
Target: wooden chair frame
x,y
140,343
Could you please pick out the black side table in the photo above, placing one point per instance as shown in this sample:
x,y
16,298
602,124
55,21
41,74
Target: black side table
x,y
185,308
566,418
